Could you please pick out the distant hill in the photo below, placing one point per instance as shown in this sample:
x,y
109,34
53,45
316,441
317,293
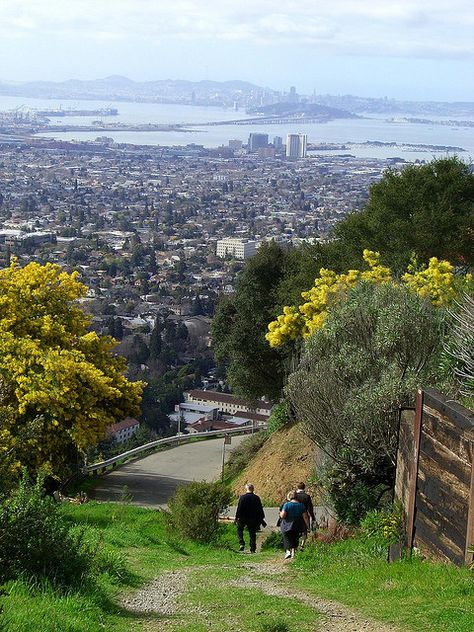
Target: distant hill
x,y
227,93
369,105
119,88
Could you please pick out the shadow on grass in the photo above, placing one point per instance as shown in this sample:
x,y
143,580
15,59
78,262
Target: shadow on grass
x,y
148,617
177,547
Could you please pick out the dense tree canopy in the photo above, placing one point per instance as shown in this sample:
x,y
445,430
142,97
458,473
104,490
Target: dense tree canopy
x,y
253,368
61,386
423,211
426,210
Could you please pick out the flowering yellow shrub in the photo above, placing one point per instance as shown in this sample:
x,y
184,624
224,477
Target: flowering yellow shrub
x,y
300,322
435,282
57,371
288,326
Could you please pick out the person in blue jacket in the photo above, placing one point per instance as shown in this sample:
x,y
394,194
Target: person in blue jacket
x,y
294,520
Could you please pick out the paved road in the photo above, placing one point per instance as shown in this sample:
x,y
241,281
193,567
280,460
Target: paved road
x,y
152,480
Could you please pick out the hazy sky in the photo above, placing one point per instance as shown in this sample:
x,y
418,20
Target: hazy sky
x,y
418,49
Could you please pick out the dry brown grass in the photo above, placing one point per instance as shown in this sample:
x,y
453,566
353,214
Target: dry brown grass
x,y
284,460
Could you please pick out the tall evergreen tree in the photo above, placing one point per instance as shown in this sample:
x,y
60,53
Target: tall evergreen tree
x,y
155,345
253,368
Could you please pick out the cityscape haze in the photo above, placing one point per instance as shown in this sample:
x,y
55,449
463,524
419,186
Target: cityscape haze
x,y
398,49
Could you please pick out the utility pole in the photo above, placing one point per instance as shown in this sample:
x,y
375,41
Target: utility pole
x,y
227,441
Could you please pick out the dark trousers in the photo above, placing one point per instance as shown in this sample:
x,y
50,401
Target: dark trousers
x,y
290,540
252,528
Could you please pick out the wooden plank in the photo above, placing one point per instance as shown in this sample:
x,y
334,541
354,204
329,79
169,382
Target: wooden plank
x,y
445,462
414,470
404,458
402,477
438,492
452,531
469,550
430,540
462,417
448,434
443,497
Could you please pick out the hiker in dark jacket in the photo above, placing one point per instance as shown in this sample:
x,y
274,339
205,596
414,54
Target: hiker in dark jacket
x,y
303,497
249,514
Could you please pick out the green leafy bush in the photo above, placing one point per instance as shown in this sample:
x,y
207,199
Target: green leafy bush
x,y
384,526
377,347
354,486
280,416
456,371
241,456
37,541
194,510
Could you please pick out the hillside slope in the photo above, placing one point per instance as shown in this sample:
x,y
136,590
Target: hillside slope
x,y
287,457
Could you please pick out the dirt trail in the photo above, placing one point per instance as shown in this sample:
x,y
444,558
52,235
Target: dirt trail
x,y
164,597
337,618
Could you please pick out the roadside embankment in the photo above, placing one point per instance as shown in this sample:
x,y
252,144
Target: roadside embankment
x,y
285,458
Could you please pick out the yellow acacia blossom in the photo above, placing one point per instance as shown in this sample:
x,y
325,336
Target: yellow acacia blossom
x,y
59,373
300,322
288,326
436,282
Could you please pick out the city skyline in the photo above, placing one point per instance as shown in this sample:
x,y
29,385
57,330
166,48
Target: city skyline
x,y
398,50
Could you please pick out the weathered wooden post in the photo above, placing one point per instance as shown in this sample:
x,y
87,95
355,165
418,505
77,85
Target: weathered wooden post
x,y
469,552
414,469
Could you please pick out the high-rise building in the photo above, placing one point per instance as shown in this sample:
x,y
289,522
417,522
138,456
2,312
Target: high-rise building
x,y
292,96
296,146
278,142
256,141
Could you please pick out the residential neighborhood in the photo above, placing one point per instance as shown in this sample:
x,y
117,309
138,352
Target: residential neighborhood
x,y
158,234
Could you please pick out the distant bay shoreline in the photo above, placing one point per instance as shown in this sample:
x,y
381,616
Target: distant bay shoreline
x,y
408,140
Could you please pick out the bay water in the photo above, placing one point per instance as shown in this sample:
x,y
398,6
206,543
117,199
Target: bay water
x,y
339,131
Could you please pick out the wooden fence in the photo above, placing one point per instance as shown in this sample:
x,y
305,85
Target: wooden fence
x,y
435,478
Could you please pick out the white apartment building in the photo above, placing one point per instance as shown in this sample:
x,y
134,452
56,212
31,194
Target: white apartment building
x,y
226,403
123,430
296,145
238,248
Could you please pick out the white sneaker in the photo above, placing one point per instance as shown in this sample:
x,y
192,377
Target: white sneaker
x,y
287,555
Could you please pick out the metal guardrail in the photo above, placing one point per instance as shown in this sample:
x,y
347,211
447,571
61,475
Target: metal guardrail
x,y
175,440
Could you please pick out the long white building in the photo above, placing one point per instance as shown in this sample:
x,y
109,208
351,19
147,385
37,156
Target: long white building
x,y
237,248
227,403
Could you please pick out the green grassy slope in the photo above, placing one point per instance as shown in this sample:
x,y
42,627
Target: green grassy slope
x,y
220,590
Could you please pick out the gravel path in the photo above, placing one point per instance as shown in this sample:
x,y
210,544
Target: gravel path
x,y
162,597
337,617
